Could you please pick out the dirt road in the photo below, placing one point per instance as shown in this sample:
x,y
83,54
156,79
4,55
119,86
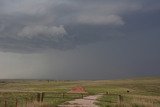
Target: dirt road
x,y
88,101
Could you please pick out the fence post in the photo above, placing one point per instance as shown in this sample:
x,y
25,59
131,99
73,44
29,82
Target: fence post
x,y
16,103
5,103
26,102
120,98
62,95
82,96
42,97
38,97
107,93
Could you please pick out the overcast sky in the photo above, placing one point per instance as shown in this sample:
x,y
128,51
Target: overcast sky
x,y
79,39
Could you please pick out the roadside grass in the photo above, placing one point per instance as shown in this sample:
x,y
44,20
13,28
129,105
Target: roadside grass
x,y
129,101
30,99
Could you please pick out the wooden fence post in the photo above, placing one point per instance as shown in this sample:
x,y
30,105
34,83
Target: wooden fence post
x,y
107,93
16,103
26,102
5,103
38,97
120,98
82,96
62,95
42,97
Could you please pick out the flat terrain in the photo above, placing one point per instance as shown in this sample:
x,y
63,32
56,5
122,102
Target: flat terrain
x,y
139,92
88,101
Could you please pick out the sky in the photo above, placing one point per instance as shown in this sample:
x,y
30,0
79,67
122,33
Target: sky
x,y
79,39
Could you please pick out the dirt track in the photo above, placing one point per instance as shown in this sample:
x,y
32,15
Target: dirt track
x,y
88,101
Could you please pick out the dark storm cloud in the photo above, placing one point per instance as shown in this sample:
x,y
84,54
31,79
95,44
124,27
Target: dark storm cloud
x,y
36,25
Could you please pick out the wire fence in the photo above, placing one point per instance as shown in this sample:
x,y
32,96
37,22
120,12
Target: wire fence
x,y
30,99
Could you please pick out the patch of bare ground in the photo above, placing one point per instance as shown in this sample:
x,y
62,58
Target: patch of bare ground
x,y
88,101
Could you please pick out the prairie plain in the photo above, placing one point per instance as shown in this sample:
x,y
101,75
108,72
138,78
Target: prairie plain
x,y
139,92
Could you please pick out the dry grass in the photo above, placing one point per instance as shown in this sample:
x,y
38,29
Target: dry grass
x,y
144,101
130,101
143,92
36,104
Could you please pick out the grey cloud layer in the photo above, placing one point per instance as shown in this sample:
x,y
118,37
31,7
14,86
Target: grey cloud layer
x,y
34,25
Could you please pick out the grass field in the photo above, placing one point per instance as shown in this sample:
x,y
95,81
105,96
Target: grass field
x,y
142,92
